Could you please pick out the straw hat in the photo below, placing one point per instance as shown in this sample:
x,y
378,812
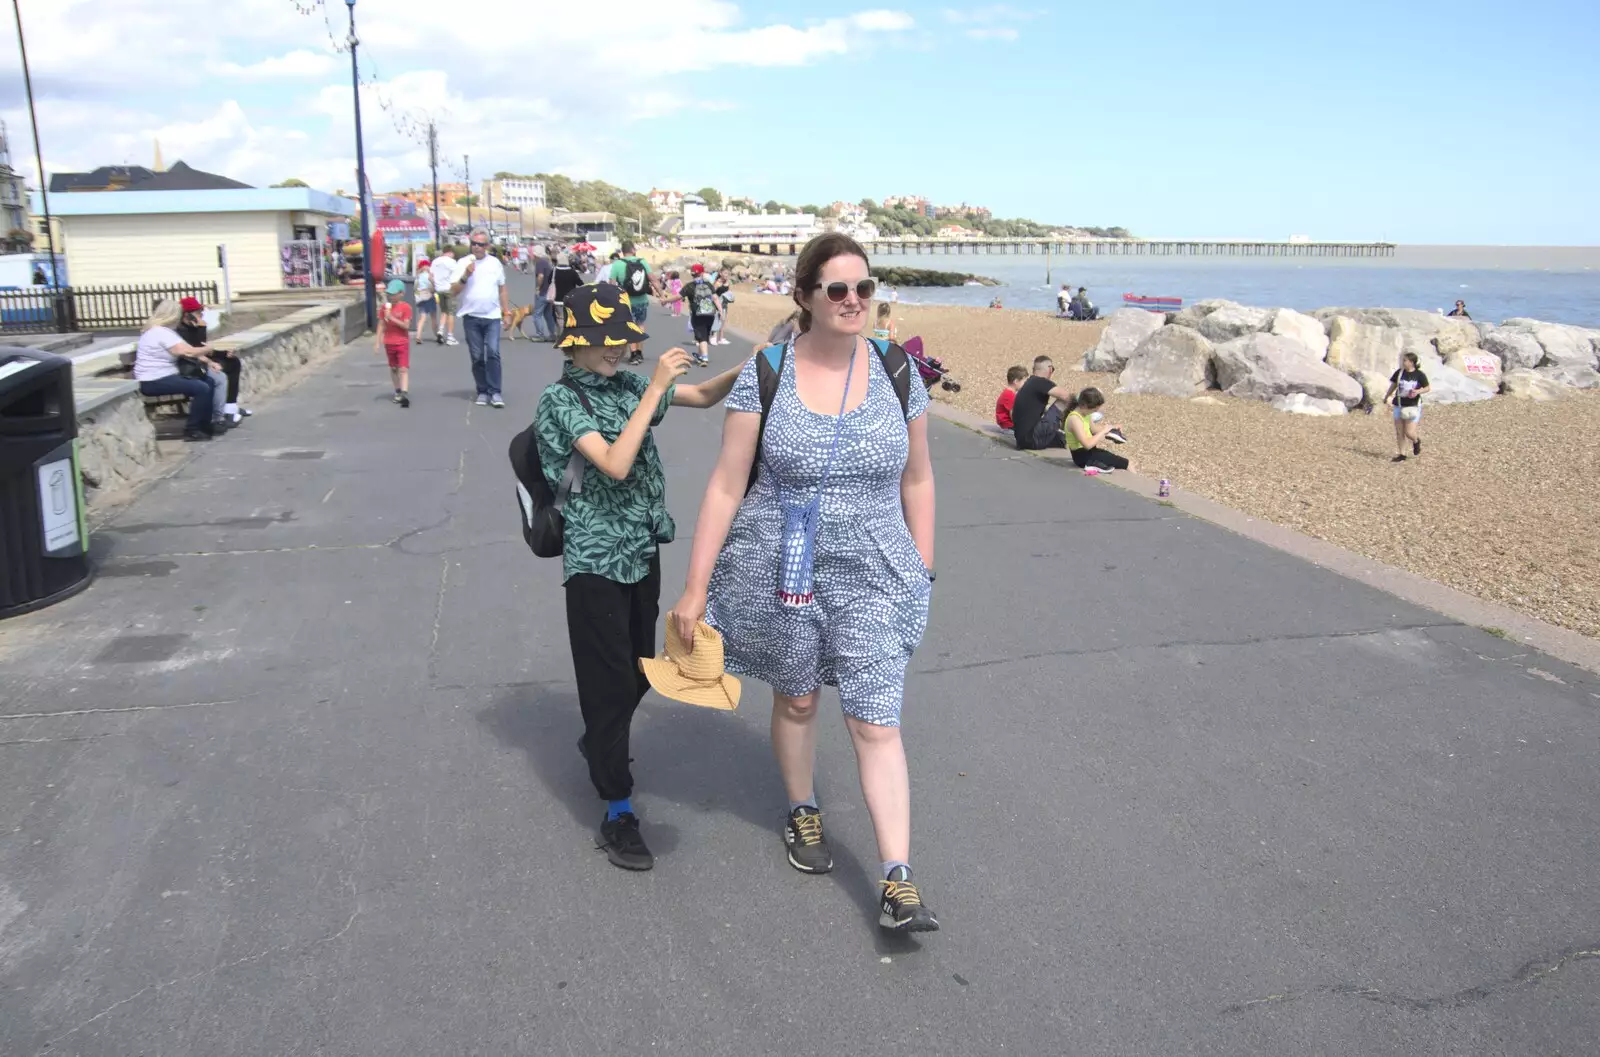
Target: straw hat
x,y
694,677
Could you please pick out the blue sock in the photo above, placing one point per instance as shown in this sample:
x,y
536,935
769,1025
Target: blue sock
x,y
891,865
619,807
810,801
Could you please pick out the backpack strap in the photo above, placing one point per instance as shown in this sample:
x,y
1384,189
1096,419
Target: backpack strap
x,y
572,478
769,373
897,364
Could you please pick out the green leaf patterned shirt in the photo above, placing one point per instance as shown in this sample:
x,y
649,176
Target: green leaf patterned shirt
x,y
612,527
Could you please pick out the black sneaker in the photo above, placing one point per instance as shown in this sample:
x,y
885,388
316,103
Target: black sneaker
x,y
1416,448
193,435
902,909
405,399
619,839
1398,458
802,835
1116,437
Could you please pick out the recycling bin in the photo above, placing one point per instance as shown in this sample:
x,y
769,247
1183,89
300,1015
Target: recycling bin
x,y
44,542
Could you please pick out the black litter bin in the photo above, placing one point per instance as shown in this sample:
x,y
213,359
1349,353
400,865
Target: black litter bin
x,y
44,543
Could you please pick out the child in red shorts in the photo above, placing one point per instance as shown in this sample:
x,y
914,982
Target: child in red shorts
x,y
394,338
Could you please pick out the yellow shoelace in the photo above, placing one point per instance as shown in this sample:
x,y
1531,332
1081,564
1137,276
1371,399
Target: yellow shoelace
x,y
902,892
809,827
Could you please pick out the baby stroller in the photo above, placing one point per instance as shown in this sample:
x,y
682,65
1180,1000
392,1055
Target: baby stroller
x,y
931,368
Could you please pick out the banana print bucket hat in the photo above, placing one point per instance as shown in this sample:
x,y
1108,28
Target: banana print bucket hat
x,y
599,314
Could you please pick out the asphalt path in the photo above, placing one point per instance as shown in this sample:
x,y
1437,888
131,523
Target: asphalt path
x,y
296,776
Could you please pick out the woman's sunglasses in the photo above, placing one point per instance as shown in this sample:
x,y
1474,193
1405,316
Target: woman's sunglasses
x,y
837,292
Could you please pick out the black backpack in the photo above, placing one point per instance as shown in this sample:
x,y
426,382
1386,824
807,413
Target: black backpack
x,y
543,525
769,372
635,279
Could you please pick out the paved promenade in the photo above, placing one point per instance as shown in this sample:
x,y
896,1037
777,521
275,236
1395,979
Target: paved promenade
x,y
296,776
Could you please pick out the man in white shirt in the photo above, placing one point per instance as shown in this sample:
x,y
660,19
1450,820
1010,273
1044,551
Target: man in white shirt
x,y
480,286
444,271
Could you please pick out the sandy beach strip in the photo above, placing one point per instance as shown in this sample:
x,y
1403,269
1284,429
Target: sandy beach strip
x,y
1502,505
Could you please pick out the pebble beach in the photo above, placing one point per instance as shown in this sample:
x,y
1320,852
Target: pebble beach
x,y
1501,505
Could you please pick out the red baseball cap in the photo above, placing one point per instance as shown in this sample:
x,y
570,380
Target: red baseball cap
x,y
423,263
697,269
191,304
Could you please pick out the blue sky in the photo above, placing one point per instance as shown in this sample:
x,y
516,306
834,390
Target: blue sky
x,y
1416,121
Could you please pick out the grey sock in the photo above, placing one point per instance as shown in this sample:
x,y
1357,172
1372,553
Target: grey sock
x,y
891,866
810,801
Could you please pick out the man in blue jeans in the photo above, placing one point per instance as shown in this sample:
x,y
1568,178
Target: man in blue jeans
x,y
480,289
544,320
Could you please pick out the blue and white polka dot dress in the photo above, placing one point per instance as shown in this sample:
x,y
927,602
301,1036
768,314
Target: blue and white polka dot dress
x,y
871,586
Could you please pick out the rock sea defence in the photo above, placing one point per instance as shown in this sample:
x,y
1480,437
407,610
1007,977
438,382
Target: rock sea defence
x,y
1335,359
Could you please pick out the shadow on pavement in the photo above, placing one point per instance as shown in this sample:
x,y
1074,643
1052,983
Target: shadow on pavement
x,y
699,759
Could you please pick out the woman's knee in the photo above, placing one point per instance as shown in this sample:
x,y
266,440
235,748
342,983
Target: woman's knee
x,y
801,709
871,734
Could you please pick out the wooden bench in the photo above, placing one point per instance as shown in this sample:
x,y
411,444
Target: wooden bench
x,y
154,406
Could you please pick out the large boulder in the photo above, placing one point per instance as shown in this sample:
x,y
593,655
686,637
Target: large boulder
x,y
1266,367
1447,385
1572,375
1174,361
1369,348
1447,333
1517,349
1564,346
1287,323
1301,404
1234,321
1481,366
1191,315
1527,384
1125,331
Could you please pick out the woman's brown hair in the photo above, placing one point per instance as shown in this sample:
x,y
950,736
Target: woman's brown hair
x,y
817,253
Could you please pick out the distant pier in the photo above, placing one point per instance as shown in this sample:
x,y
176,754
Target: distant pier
x,y
1065,247
1133,247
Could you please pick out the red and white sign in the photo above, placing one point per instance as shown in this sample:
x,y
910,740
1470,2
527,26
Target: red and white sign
x,y
1480,363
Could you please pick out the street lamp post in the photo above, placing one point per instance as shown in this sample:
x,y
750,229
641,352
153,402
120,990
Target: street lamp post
x,y
38,151
361,177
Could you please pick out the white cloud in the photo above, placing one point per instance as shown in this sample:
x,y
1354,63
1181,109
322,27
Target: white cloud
x,y
1006,33
994,22
259,93
297,63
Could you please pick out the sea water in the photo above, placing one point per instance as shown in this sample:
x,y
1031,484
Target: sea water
x,y
1556,284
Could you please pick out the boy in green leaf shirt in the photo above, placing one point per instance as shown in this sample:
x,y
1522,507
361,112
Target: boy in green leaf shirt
x,y
616,520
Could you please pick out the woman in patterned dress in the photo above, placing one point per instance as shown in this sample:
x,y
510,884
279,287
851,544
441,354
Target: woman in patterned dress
x,y
836,435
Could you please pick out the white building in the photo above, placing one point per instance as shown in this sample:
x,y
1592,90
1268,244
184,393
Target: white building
x,y
706,228
518,192
666,201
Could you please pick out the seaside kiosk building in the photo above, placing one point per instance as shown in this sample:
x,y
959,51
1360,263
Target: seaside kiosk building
x,y
156,230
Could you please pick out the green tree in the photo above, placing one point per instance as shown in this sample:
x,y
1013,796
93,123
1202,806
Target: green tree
x,y
292,182
558,190
712,196
869,205
467,200
772,206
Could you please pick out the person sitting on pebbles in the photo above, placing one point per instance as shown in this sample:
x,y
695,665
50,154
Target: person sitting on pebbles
x,y
1086,437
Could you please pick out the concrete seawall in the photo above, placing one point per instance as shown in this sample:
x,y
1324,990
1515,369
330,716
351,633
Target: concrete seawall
x,y
118,439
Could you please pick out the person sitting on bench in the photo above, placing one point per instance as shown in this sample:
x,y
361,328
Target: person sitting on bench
x,y
155,368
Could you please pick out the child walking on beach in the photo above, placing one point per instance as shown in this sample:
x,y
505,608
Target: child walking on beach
x,y
394,339
615,522
675,288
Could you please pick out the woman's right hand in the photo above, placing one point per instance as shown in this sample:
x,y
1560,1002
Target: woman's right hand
x,y
687,613
674,364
